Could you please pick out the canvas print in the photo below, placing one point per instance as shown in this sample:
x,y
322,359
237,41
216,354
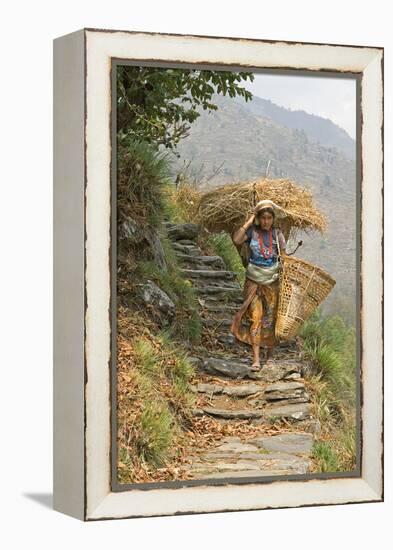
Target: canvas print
x,y
237,321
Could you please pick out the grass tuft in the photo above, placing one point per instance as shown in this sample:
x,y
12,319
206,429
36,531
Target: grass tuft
x,y
156,433
222,245
326,457
146,358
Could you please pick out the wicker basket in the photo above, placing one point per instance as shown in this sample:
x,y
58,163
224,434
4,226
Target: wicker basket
x,y
303,287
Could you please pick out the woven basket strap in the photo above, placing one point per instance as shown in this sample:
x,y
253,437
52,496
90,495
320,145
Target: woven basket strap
x,y
278,246
309,281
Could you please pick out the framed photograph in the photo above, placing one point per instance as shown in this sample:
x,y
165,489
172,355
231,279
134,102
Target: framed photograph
x,y
218,274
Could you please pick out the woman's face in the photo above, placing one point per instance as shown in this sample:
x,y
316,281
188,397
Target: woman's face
x,y
266,220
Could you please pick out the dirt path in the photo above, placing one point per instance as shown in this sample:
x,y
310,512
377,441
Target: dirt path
x,y
229,391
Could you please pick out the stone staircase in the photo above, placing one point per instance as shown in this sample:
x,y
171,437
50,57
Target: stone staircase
x,y
229,391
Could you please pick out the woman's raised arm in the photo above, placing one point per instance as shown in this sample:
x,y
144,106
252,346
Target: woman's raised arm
x,y
240,236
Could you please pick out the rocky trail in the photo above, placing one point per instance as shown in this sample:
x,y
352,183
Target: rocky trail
x,y
229,391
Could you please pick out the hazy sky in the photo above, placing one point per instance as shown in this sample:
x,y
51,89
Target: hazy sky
x,y
333,98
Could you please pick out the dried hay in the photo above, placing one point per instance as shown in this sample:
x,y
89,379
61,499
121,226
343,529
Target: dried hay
x,y
186,197
227,207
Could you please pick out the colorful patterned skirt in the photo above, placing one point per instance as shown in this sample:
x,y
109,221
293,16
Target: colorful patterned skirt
x,y
260,308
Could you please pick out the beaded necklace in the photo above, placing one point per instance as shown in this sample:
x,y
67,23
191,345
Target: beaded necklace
x,y
266,252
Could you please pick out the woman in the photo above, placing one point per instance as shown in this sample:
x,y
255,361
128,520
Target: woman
x,y
262,280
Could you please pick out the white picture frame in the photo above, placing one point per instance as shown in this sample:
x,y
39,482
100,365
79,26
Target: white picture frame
x,y
83,284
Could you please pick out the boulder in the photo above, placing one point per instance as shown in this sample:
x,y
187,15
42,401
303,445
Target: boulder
x,y
180,231
227,368
280,370
153,295
146,236
157,249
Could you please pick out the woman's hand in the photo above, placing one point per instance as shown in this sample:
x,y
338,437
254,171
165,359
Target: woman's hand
x,y
250,221
239,237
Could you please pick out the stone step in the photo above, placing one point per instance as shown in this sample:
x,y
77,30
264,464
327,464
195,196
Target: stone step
x,y
300,411
218,290
236,458
215,307
205,274
248,465
189,250
234,300
292,442
285,390
228,339
181,231
292,412
242,390
262,400
240,414
211,318
185,242
262,464
281,370
257,473
211,322
281,454
215,262
237,355
269,393
227,368
185,247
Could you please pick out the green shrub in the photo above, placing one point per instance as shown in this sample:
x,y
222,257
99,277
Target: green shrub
x,y
328,362
162,398
182,370
156,433
178,369
330,345
146,358
223,246
338,454
188,328
143,172
171,209
326,457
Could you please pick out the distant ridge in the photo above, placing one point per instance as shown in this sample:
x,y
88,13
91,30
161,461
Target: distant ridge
x,y
317,128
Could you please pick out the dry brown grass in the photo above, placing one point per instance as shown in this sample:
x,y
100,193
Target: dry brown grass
x,y
227,207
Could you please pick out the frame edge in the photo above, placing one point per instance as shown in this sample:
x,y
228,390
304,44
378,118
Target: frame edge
x,y
68,274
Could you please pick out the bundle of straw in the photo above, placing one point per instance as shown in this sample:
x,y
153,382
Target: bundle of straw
x,y
227,207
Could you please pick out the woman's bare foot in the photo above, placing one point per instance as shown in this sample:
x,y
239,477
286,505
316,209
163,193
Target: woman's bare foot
x,y
256,365
269,360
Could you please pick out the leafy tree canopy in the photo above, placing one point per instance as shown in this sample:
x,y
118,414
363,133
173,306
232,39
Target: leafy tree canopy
x,y
157,105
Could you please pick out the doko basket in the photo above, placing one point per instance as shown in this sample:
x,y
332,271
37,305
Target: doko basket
x,y
303,286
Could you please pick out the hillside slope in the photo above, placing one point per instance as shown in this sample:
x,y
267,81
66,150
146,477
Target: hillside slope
x,y
317,128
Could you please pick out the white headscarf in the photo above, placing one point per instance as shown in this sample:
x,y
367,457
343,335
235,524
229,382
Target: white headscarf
x,y
266,203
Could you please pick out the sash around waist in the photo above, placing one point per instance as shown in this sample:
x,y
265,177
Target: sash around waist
x,y
262,275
